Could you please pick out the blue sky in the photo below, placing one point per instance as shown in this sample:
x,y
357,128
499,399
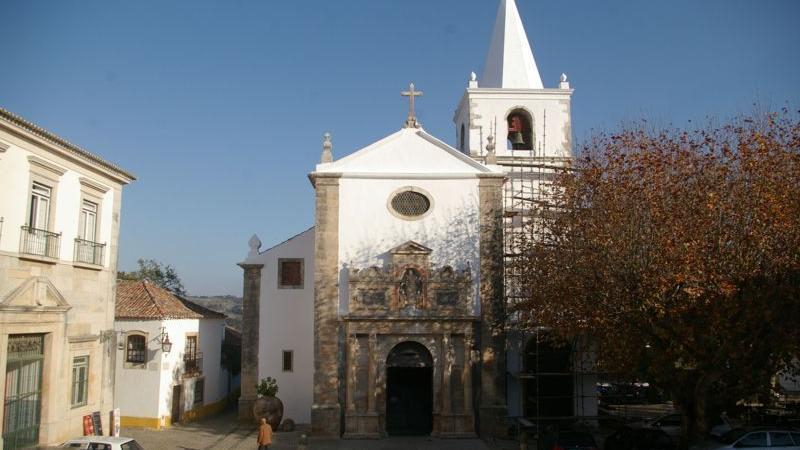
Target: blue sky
x,y
219,106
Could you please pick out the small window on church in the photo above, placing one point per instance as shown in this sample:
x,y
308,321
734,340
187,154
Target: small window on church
x,y
290,273
410,204
461,141
288,360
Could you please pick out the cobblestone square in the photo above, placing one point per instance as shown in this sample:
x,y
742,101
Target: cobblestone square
x,y
225,432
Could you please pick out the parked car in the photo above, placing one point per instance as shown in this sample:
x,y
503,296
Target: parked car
x,y
627,438
721,425
672,424
759,438
568,440
103,443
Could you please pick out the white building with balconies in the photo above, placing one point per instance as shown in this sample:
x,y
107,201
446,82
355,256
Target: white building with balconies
x,y
59,228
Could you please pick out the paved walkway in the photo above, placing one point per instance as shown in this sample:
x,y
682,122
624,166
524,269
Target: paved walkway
x,y
224,432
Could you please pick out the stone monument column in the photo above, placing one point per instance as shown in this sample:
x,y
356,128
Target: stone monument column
x,y
250,324
493,407
326,410
467,374
447,351
372,393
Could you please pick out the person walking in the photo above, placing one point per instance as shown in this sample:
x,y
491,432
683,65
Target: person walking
x,y
264,435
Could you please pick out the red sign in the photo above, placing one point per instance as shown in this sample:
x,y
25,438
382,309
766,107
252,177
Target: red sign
x,y
88,427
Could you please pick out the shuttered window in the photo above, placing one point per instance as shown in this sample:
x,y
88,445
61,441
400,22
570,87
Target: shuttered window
x,y
290,273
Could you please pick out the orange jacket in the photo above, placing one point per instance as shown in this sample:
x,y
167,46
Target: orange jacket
x,y
264,434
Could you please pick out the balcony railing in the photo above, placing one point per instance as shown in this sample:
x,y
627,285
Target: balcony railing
x,y
33,241
89,252
193,362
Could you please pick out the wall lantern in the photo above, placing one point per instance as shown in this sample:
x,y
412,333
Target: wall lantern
x,y
166,345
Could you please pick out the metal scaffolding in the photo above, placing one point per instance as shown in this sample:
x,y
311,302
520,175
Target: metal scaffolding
x,y
557,385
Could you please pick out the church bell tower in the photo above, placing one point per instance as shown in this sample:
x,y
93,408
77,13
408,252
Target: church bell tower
x,y
510,103
508,119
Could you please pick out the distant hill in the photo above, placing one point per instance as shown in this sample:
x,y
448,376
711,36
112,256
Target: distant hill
x,y
230,305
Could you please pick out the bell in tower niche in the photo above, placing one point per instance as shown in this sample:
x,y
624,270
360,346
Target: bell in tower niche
x,y
517,131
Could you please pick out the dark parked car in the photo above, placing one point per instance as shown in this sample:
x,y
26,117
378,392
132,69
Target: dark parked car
x,y
627,438
568,440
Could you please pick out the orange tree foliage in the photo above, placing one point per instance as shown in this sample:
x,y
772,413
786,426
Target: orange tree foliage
x,y
678,253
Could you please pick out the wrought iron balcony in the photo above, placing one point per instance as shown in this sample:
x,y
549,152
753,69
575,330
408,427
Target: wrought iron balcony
x,y
193,362
89,252
33,241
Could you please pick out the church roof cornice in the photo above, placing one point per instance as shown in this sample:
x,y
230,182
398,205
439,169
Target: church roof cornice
x,y
410,153
517,92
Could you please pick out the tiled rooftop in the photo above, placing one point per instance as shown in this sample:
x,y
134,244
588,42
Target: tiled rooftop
x,y
143,300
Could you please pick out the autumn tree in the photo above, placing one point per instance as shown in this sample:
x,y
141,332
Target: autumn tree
x,y
678,254
163,275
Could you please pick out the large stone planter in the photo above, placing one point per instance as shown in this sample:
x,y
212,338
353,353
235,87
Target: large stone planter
x,y
270,408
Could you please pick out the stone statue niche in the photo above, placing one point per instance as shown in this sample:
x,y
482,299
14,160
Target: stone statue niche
x,y
409,286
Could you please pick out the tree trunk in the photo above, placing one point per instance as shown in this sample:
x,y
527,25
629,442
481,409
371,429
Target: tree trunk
x,y
692,403
700,427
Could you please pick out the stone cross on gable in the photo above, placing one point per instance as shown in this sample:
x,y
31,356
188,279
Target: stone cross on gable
x,y
411,121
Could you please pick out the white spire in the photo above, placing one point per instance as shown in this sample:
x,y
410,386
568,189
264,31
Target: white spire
x,y
510,63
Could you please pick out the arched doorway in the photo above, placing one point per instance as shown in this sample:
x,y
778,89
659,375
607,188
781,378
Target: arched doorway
x,y
549,393
409,390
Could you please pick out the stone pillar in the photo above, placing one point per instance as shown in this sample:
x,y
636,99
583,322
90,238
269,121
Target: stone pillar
x,y
372,393
326,410
447,363
251,297
467,374
493,405
352,367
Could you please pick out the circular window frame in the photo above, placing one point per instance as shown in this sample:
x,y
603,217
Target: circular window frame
x,y
416,189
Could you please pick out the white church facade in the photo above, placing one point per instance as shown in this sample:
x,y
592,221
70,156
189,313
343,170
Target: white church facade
x,y
397,324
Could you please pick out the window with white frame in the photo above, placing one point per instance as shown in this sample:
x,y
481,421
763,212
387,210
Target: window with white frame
x,y
88,222
40,206
80,381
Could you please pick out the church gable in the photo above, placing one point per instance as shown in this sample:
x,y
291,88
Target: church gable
x,y
35,293
408,151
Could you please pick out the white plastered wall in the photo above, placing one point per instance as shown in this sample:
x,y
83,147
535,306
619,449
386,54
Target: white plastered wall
x,y
286,322
151,396
137,389
368,229
209,342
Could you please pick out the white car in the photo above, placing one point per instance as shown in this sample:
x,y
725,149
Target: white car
x,y
760,439
103,443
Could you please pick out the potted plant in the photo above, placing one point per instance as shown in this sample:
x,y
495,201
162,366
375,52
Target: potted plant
x,y
267,405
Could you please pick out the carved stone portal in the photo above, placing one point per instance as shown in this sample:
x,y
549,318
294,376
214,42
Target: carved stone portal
x,y
408,340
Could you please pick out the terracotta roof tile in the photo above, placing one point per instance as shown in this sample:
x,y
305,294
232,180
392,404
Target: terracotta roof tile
x,y
144,300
